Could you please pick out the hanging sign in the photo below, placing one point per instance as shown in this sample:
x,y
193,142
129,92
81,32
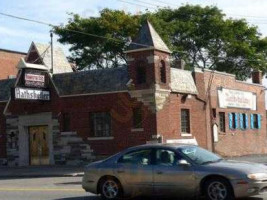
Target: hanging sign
x,y
31,94
237,99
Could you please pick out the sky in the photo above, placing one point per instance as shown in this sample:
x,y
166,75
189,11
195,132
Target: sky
x,y
17,34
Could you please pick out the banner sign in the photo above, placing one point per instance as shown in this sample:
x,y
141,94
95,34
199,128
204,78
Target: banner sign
x,y
237,99
34,79
31,94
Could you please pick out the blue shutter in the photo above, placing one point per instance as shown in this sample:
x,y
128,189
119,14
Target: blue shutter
x,y
246,127
251,121
230,117
259,121
241,121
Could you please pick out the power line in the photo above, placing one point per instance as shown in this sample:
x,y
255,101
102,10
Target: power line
x,y
98,36
156,6
136,4
166,3
151,4
70,30
25,19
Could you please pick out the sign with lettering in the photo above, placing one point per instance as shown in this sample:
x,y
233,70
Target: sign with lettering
x,y
31,94
237,99
34,78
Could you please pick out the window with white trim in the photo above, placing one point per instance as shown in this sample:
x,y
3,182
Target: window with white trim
x,y
101,124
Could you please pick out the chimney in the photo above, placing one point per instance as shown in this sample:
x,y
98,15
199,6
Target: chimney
x,y
198,76
180,64
257,76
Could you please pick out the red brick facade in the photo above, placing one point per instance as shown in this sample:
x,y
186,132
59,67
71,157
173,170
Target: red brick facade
x,y
237,142
8,62
165,122
161,105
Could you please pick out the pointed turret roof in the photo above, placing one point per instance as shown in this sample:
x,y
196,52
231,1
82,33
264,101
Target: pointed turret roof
x,y
148,38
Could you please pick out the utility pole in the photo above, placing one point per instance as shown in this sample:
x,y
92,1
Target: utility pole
x,y
52,56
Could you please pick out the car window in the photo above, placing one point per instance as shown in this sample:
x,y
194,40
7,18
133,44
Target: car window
x,y
199,155
140,157
166,157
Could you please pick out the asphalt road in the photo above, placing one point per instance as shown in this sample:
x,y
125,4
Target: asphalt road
x,y
67,188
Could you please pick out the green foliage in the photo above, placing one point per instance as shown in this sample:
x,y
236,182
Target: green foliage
x,y
97,52
202,36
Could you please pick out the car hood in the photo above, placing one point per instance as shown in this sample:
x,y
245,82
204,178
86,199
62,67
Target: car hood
x,y
241,166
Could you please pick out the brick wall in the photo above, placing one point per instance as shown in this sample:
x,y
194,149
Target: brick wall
x,y
2,131
118,104
151,60
169,118
8,63
237,142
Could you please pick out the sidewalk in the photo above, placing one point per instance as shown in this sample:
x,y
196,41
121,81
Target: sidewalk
x,y
40,171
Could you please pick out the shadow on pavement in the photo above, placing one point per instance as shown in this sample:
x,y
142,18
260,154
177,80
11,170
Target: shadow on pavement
x,y
81,198
70,183
146,198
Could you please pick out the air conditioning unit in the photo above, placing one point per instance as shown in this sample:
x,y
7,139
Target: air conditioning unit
x,y
11,76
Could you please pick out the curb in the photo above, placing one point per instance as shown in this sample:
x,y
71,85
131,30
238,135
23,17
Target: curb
x,y
40,175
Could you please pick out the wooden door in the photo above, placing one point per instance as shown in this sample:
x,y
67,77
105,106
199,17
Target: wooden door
x,y
39,151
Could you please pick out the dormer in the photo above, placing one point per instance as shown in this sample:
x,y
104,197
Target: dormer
x,y
40,54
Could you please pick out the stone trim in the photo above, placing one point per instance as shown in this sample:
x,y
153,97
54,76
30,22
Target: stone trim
x,y
137,129
186,134
100,138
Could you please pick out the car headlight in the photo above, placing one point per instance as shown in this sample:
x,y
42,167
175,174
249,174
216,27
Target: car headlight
x,y
258,176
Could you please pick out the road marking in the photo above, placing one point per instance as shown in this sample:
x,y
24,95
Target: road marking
x,y
41,189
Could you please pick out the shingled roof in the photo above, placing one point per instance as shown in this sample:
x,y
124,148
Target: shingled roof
x,y
60,62
102,81
93,81
148,38
5,88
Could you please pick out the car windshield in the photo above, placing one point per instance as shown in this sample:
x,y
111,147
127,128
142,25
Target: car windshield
x,y
198,155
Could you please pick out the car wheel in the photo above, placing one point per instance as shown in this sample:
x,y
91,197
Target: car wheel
x,y
218,189
110,189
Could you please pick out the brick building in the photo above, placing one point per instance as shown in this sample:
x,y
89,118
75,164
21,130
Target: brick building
x,y
69,117
8,62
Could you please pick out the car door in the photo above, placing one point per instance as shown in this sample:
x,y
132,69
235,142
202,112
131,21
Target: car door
x,y
170,178
135,171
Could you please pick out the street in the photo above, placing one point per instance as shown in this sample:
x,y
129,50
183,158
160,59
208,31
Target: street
x,y
60,188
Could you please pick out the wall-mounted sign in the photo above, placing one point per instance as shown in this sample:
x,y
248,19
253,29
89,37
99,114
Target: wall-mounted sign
x,y
33,78
237,99
31,94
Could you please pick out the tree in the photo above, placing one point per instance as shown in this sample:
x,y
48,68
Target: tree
x,y
202,36
88,51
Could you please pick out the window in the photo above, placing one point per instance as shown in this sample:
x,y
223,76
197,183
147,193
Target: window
x,y
162,71
140,157
214,113
66,122
101,124
243,118
137,117
141,75
185,121
233,120
222,121
167,157
255,121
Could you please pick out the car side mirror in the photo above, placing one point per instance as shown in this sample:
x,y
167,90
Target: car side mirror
x,y
183,163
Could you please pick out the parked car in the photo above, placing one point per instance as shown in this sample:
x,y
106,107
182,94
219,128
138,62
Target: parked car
x,y
173,170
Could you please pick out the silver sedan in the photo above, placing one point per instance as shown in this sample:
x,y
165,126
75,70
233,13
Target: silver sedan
x,y
173,171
